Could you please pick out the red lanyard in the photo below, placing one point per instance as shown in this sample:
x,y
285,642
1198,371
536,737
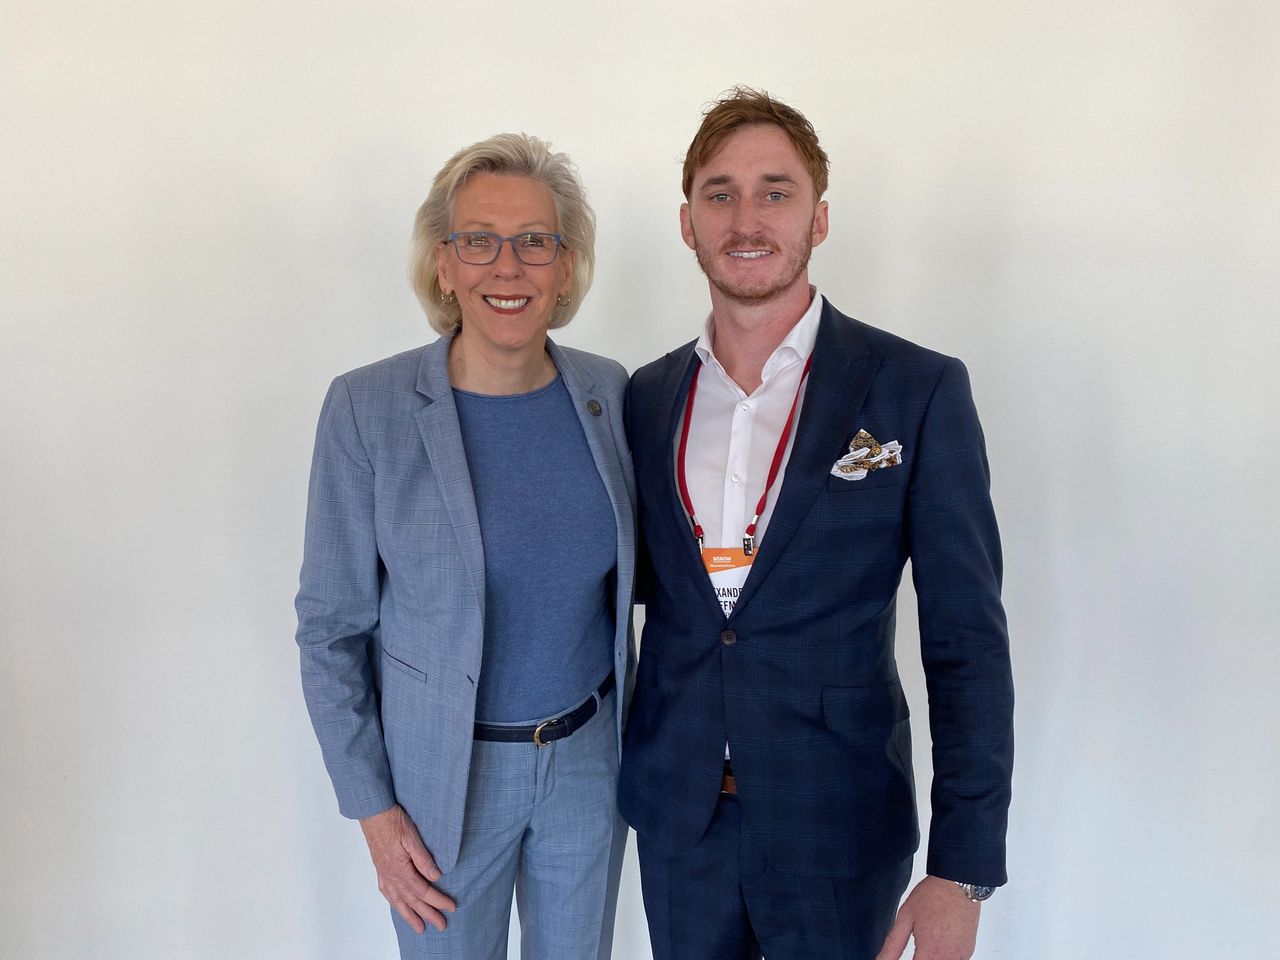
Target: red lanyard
x,y
749,538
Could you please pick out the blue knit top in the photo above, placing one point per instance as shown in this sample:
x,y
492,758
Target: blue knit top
x,y
550,546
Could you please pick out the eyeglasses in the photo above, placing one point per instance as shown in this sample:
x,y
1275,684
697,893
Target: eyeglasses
x,y
533,249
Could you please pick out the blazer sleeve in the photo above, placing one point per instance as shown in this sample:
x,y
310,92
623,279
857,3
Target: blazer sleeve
x,y
338,604
956,566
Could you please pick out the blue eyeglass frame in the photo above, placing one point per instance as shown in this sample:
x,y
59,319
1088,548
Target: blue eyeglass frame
x,y
497,249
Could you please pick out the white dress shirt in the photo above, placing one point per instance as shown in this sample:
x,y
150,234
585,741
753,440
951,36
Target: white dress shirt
x,y
732,436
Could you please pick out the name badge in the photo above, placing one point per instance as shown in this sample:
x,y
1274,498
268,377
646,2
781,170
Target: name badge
x,y
728,568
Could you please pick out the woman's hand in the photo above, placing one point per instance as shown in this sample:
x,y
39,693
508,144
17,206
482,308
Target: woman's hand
x,y
406,869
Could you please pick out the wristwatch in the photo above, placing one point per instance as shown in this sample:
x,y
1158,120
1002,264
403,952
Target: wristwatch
x,y
975,892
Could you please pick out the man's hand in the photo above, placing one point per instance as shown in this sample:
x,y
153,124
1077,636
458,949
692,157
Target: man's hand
x,y
943,921
406,871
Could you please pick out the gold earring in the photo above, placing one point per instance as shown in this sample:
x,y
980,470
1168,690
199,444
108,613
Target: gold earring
x,y
563,300
449,298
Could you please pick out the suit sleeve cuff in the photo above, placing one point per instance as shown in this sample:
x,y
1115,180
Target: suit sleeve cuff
x,y
359,809
982,864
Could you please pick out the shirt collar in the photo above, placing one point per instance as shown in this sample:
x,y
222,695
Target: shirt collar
x,y
796,345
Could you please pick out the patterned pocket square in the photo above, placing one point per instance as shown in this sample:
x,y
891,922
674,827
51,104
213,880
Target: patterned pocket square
x,y
866,454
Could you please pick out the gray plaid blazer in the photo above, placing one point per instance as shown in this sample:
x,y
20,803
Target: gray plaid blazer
x,y
392,596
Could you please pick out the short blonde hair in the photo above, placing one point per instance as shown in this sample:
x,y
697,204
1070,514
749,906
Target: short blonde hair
x,y
508,154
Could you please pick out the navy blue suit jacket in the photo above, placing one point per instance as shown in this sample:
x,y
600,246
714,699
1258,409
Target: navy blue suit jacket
x,y
801,679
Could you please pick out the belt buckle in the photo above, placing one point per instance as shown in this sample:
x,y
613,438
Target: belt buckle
x,y
537,731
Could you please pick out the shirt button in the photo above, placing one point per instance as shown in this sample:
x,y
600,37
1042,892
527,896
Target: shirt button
x,y
728,638
737,478
745,405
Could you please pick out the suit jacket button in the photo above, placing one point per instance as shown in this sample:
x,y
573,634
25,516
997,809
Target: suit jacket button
x,y
728,638
594,407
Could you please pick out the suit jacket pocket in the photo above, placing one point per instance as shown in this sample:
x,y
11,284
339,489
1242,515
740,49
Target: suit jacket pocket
x,y
396,662
853,709
875,480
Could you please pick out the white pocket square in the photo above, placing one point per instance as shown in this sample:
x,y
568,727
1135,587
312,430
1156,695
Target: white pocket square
x,y
866,454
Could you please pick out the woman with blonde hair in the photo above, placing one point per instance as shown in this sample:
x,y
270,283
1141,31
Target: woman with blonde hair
x,y
464,611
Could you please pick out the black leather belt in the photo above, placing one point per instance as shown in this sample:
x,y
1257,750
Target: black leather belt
x,y
547,731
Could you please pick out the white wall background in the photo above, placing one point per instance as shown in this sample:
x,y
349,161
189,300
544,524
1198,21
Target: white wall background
x,y
205,210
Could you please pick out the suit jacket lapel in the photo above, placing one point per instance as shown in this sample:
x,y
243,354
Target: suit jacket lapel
x,y
582,390
675,389
842,371
442,435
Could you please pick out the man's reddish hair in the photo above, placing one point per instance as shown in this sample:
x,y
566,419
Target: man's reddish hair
x,y
745,106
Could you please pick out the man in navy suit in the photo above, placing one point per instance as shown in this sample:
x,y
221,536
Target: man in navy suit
x,y
789,462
